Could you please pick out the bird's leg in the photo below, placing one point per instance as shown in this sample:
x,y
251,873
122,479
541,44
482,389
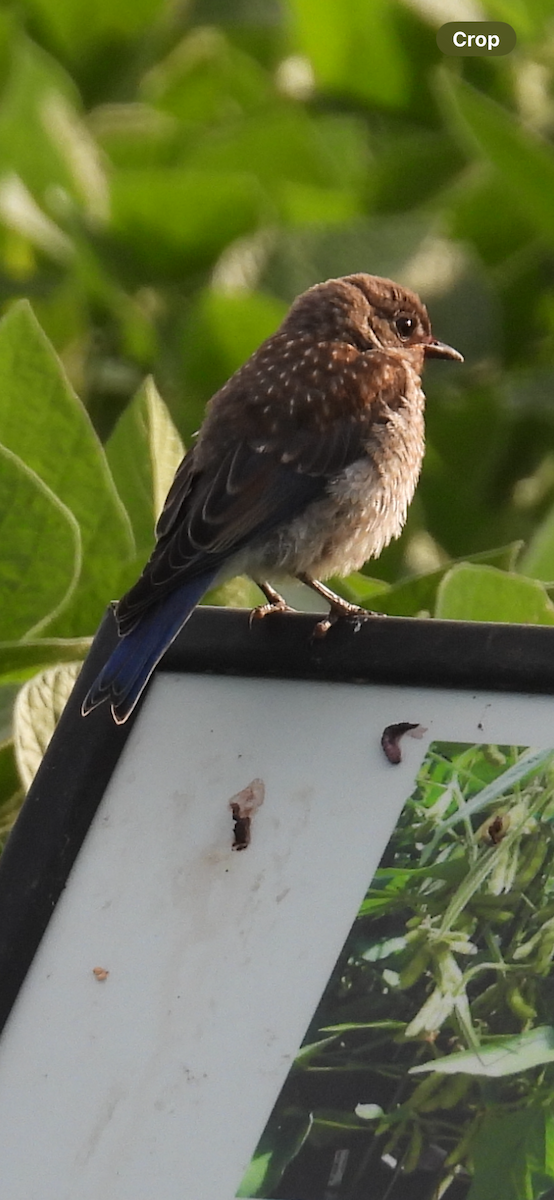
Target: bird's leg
x,y
275,602
339,608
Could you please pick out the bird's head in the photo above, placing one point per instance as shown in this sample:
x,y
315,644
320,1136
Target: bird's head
x,y
369,313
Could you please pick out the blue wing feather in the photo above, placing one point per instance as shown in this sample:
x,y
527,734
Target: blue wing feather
x,y
131,664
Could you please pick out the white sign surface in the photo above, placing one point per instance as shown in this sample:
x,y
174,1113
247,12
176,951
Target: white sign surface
x,y
155,1076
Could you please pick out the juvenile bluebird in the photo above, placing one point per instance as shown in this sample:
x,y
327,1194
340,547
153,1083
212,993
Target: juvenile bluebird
x,y
305,465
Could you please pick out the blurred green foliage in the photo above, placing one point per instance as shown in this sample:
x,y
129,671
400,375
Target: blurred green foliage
x,y
171,176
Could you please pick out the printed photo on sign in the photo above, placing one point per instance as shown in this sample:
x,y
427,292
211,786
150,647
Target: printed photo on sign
x,y
428,1068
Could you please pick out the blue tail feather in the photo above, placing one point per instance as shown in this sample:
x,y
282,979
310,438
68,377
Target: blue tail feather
x,y
129,667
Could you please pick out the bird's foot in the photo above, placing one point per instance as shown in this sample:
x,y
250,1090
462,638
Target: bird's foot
x,y
265,610
339,609
275,603
341,612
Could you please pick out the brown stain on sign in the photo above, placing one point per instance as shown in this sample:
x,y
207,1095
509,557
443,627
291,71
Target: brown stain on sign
x,y
243,806
390,738
100,973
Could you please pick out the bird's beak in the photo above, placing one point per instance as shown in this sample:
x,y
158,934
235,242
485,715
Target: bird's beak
x,y
434,349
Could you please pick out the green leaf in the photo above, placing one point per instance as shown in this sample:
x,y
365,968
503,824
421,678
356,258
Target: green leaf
x,y
73,141
40,554
480,216
38,708
429,159
301,204
134,134
11,791
360,589
411,596
478,593
384,948
523,160
456,483
30,656
513,1155
281,1141
285,144
538,559
23,217
166,447
416,594
9,778
143,453
175,220
332,1123
529,17
44,423
252,1183
361,56
504,1056
26,146
205,77
346,1026
75,25
8,693
311,1050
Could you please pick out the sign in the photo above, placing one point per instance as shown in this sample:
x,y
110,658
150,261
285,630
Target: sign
x,y
272,934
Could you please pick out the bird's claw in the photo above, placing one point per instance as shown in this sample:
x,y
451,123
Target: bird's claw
x,y
343,612
264,610
322,628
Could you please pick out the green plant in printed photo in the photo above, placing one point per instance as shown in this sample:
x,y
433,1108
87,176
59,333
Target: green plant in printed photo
x,y
428,1067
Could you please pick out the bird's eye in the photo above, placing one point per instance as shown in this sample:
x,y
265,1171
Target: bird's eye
x,y
405,326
